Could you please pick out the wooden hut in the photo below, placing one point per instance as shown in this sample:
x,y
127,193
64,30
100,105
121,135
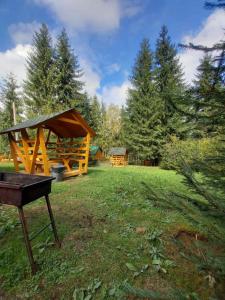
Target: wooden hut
x,y
96,153
118,156
47,140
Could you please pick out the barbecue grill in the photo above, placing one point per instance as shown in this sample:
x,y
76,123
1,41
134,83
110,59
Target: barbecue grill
x,y
20,189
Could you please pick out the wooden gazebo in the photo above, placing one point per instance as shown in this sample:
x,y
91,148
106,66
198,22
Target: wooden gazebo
x,y
118,156
47,140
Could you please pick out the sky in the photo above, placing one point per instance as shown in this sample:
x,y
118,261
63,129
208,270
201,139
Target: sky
x,y
106,35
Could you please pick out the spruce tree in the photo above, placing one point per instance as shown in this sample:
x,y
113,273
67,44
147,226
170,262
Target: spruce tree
x,y
169,80
67,74
103,135
96,115
84,107
201,97
9,98
144,111
124,120
211,185
39,86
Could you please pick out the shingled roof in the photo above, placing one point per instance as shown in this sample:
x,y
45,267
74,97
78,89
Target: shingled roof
x,y
94,149
118,151
55,123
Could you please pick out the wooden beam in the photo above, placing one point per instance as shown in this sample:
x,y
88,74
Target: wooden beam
x,y
66,164
13,154
80,123
67,120
48,137
18,152
25,139
88,140
44,152
35,152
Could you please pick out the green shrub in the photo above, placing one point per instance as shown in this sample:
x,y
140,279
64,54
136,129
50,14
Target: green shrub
x,y
188,150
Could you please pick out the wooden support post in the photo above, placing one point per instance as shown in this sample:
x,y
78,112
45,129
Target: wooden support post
x,y
88,139
13,153
48,137
35,152
44,151
25,139
66,164
17,152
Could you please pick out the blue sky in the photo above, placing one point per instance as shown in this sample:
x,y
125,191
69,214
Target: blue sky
x,y
105,34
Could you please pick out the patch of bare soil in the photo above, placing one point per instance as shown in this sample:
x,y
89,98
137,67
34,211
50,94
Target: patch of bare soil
x,y
79,239
185,234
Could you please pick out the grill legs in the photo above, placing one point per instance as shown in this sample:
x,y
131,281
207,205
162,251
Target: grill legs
x,y
52,221
27,240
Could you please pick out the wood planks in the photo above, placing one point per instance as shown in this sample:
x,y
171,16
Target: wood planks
x,y
119,160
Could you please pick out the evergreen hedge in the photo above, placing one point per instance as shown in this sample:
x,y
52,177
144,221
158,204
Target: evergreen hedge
x,y
187,150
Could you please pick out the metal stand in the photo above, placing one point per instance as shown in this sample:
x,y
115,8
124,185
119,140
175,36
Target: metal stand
x,y
52,222
27,240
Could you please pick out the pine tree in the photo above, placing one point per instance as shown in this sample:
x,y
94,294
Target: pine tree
x,y
124,121
113,125
201,97
169,80
68,86
39,86
211,186
84,107
144,118
102,138
96,115
9,98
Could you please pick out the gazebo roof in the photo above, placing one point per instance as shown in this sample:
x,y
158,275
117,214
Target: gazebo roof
x,y
66,124
118,151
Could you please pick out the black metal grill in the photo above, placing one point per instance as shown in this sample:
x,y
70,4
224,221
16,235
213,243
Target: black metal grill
x,y
20,189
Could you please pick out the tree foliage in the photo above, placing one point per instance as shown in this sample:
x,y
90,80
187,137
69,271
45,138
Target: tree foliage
x,y
95,114
9,97
67,75
38,86
170,85
201,103
212,113
109,127
144,128
53,80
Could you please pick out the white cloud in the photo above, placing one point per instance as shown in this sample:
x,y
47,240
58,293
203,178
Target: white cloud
x,y
14,60
91,15
22,33
91,77
113,68
212,31
115,94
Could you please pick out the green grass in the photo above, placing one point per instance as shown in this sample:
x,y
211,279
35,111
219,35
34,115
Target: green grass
x,y
98,216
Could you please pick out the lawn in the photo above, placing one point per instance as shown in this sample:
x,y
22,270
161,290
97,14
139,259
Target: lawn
x,y
117,243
